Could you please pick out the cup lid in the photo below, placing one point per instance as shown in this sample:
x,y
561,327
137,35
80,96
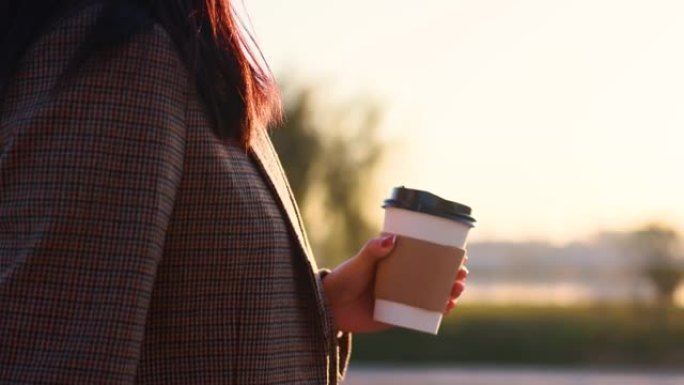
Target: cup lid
x,y
428,203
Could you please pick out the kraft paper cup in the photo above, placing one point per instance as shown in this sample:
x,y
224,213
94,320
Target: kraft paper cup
x,y
414,283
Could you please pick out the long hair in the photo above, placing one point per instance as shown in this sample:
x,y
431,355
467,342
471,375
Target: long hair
x,y
234,82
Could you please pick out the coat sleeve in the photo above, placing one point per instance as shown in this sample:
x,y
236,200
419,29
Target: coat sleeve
x,y
341,343
88,178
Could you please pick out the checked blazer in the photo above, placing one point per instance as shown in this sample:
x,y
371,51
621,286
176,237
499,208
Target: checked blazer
x,y
135,246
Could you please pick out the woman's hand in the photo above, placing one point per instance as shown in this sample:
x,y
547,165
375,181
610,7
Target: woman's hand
x,y
349,288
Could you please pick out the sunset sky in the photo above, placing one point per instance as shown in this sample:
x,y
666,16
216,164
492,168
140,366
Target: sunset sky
x,y
552,119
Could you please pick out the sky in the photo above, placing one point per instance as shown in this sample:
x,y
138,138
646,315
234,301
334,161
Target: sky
x,y
553,120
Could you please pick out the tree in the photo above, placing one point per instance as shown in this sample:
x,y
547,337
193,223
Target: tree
x,y
659,245
330,155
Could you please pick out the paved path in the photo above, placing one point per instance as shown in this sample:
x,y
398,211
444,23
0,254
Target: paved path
x,y
494,376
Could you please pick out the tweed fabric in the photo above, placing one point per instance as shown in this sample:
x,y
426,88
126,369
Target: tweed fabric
x,y
135,246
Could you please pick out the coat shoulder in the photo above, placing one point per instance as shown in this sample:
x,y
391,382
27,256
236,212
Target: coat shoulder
x,y
148,59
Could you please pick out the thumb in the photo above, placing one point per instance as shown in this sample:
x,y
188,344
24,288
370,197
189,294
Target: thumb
x,y
356,274
377,248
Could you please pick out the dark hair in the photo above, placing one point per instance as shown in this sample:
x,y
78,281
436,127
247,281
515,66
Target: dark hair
x,y
234,83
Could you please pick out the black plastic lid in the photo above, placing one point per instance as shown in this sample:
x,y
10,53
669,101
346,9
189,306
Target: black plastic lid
x,y
428,203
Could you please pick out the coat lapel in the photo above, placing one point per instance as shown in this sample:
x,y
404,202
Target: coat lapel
x,y
267,159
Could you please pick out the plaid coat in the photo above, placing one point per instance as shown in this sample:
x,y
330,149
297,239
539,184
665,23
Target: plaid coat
x,y
135,246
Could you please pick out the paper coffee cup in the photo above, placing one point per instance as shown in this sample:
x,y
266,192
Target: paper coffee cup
x,y
414,282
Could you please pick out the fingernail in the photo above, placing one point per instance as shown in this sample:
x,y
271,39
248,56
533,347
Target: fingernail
x,y
387,241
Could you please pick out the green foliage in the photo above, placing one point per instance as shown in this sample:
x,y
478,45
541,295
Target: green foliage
x,y
330,155
657,242
299,143
591,336
660,247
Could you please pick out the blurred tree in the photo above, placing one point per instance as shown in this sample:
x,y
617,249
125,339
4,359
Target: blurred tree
x,y
299,142
660,246
330,156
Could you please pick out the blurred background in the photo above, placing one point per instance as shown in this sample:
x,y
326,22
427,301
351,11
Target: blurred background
x,y
558,122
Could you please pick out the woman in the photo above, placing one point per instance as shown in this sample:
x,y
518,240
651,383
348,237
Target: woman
x,y
147,232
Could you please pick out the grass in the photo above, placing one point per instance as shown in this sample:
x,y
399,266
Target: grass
x,y
591,335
